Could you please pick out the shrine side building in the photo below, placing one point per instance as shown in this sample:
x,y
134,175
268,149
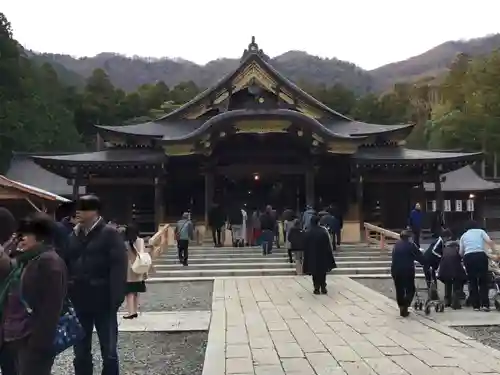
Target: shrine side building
x,y
255,138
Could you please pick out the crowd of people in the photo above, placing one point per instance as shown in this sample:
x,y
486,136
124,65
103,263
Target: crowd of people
x,y
455,259
61,280
311,235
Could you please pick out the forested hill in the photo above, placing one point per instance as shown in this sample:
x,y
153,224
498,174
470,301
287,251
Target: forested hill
x,y
130,73
300,67
433,62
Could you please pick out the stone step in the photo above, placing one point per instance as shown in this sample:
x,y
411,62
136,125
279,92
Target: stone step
x,y
176,279
227,260
188,272
224,266
277,264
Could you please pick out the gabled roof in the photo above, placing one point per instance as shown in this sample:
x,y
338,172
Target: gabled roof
x,y
173,126
463,179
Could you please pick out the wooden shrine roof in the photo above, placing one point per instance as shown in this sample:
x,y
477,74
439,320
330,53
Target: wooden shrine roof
x,y
188,120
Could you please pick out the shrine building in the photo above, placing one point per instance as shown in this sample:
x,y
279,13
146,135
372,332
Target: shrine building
x,y
255,138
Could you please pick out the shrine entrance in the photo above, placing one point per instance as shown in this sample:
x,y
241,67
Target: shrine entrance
x,y
256,190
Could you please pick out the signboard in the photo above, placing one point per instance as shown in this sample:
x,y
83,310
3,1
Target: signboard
x,y
447,205
458,205
470,205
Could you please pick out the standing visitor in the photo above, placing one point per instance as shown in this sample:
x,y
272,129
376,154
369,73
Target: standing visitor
x,y
288,222
276,229
216,222
97,260
33,282
306,217
184,232
404,255
452,274
318,255
135,282
244,226
337,214
235,219
8,243
415,223
268,226
328,221
473,245
295,240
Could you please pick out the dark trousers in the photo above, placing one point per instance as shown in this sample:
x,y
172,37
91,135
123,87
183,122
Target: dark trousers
x,y
338,236
290,257
277,236
452,289
17,359
405,289
106,325
476,265
319,281
430,275
334,235
217,235
416,236
267,241
182,251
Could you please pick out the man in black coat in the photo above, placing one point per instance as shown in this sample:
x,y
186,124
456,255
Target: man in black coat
x,y
318,255
97,263
216,220
404,255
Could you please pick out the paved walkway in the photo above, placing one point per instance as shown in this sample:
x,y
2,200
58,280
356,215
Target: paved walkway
x,y
276,326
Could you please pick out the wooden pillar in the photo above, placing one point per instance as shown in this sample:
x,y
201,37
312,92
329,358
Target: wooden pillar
x,y
309,177
438,190
209,193
360,199
159,187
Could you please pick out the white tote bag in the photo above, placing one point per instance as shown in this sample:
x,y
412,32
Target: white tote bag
x,y
143,261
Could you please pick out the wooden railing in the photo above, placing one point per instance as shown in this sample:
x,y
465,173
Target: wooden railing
x,y
383,238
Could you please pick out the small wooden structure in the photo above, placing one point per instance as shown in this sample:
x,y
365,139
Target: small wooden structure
x,y
22,198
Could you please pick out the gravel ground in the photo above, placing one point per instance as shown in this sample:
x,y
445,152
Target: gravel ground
x,y
487,335
149,353
177,296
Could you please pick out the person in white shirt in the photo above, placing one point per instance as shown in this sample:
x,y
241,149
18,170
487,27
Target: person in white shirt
x,y
473,244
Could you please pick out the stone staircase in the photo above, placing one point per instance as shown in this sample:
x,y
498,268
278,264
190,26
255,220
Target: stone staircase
x,y
206,263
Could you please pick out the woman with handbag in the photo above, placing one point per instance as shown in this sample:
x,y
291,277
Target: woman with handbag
x,y
139,263
33,285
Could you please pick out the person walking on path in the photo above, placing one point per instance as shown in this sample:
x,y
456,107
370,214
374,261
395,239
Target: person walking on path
x,y
33,285
404,255
318,255
415,223
135,282
184,232
473,244
268,226
97,261
328,221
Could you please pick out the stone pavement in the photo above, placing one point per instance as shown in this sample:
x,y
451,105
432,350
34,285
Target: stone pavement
x,y
276,326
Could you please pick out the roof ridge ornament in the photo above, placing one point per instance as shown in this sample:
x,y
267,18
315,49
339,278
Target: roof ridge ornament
x,y
253,49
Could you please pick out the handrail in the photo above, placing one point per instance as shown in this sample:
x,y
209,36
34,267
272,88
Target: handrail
x,y
159,240
378,235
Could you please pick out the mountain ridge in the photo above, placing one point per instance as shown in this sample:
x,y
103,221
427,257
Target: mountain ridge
x,y
129,73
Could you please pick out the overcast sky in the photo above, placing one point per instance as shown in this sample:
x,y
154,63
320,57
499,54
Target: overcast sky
x,y
368,33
